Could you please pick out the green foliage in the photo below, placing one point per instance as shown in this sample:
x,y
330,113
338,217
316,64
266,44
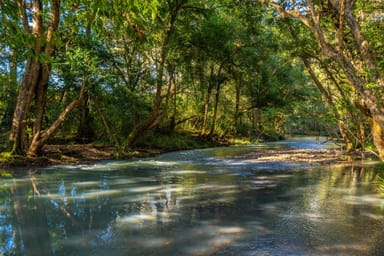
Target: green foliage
x,y
7,158
380,183
175,141
233,56
5,173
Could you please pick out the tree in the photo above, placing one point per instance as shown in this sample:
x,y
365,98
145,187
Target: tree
x,y
330,81
40,29
337,30
40,23
168,22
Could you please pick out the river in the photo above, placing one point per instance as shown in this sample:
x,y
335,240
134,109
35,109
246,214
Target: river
x,y
198,202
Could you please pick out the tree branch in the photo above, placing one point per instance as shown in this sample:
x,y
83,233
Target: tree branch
x,y
53,26
41,138
23,14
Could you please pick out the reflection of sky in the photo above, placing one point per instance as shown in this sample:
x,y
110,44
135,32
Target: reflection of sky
x,y
7,241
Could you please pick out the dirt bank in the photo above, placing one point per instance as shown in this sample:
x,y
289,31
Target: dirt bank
x,y
88,153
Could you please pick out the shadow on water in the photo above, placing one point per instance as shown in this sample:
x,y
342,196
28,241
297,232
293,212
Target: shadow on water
x,y
200,204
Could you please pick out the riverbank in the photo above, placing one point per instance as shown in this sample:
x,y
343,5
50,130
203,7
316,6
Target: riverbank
x,y
88,153
74,153
302,157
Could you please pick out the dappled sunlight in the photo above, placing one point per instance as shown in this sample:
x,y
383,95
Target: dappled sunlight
x,y
126,181
155,242
263,182
212,239
144,189
372,200
255,184
202,206
135,219
92,194
350,248
130,164
309,218
272,207
374,216
258,227
98,193
172,190
86,183
203,238
214,187
184,172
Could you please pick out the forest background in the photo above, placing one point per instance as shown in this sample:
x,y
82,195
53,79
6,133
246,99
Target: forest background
x,y
176,74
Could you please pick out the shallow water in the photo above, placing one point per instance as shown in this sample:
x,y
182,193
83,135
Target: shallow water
x,y
200,202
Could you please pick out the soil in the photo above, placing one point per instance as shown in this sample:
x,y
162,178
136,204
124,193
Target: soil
x,y
88,153
298,156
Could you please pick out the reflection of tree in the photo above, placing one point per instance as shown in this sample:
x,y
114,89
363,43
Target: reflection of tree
x,y
30,220
42,216
77,221
67,213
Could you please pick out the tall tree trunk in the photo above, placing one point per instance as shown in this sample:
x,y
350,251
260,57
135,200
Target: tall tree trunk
x,y
18,136
236,117
31,101
207,101
219,81
215,108
85,131
40,100
172,96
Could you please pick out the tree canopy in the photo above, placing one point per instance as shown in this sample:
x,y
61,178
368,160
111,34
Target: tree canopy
x,y
126,72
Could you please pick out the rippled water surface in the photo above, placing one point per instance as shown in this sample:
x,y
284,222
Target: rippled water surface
x,y
201,202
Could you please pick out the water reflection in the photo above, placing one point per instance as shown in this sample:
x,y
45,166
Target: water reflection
x,y
191,207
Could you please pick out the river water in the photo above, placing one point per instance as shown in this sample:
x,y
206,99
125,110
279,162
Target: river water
x,y
199,202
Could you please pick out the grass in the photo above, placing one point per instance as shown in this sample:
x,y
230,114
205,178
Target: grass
x,y
7,158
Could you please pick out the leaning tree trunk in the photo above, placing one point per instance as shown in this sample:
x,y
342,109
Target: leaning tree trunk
x,y
157,113
328,98
366,73
41,137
